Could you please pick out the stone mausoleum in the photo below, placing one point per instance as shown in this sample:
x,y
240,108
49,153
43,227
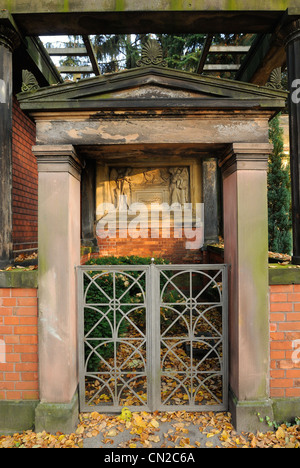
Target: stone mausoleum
x,y
139,137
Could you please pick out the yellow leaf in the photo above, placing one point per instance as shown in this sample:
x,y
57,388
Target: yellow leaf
x,y
210,434
132,445
154,423
80,430
139,421
280,434
112,433
209,444
224,436
154,438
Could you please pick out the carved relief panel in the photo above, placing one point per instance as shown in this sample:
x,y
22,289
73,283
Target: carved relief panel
x,y
148,185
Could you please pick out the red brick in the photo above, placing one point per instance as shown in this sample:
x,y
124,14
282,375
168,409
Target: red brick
x,y
8,301
278,297
29,376
12,377
277,355
277,336
281,307
293,317
289,326
27,301
5,292
277,317
281,383
30,395
24,292
294,297
292,392
26,311
281,345
277,393
293,373
25,330
13,395
27,385
281,288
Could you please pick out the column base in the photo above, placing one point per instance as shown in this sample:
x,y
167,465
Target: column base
x,y
295,260
57,417
250,416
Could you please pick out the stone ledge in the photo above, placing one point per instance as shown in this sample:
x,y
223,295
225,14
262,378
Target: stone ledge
x,y
19,278
284,274
17,416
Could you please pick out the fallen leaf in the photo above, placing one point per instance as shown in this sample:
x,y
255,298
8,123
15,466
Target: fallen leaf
x,y
154,438
154,423
280,434
209,444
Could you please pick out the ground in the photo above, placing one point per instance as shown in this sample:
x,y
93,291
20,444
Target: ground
x,y
170,430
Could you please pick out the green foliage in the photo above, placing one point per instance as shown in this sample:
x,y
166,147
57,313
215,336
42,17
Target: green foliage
x,y
279,195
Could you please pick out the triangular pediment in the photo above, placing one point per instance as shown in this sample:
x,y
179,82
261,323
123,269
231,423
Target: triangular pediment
x,y
143,85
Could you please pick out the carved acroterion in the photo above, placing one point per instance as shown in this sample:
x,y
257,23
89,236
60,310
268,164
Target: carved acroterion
x,y
152,55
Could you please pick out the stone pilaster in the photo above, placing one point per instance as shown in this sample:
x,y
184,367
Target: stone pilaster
x,y
244,170
59,253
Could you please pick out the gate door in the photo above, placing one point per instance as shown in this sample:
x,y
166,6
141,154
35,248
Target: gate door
x,y
152,337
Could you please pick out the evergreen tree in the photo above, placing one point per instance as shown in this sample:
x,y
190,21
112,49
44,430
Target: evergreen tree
x,y
279,196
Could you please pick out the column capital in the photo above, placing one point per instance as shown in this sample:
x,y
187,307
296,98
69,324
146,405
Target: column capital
x,y
9,37
289,32
245,156
58,158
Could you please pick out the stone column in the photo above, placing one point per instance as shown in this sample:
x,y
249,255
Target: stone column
x,y
59,253
244,172
292,43
210,200
9,40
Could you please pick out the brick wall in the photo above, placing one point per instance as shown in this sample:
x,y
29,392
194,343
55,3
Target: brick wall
x,y
25,181
170,248
284,331
18,344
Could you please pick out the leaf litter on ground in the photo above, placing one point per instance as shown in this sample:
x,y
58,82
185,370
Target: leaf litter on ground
x,y
145,430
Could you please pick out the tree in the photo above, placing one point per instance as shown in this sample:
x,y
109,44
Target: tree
x,y
279,195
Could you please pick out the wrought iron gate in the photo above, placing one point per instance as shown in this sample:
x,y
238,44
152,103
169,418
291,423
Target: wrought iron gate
x,y
152,337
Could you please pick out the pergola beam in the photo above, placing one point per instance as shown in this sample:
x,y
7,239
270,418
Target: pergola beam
x,y
56,17
204,54
67,51
92,55
230,49
74,69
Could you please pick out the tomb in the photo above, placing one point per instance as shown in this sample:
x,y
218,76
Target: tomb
x,y
148,136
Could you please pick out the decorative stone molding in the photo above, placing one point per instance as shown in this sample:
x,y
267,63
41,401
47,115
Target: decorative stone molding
x,y
58,158
9,38
240,156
